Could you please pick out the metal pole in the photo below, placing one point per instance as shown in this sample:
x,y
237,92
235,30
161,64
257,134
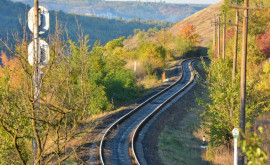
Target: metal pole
x,y
218,36
235,46
135,66
235,151
224,34
36,76
243,75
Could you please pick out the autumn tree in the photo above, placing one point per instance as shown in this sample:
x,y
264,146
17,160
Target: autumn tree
x,y
264,43
77,83
13,115
188,33
186,42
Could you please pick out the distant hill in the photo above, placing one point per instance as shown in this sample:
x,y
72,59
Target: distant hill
x,y
125,10
98,28
201,20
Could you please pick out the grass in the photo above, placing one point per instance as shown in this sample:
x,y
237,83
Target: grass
x,y
218,155
180,145
180,141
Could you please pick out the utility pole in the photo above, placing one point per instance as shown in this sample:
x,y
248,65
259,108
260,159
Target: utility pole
x,y
224,35
242,115
218,36
214,34
215,31
235,46
218,23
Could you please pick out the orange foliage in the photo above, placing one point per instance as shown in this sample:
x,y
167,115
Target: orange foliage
x,y
230,33
11,71
188,32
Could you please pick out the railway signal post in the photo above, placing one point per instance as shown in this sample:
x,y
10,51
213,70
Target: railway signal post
x,y
36,81
38,56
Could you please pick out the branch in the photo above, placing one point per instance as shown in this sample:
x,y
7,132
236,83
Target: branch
x,y
17,149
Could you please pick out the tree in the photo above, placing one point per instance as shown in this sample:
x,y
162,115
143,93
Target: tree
x,y
263,86
152,56
251,146
12,125
220,104
69,95
264,43
120,83
188,32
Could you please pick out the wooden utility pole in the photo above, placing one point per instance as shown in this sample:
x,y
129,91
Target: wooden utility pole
x,y
224,35
218,36
235,46
242,117
218,23
36,82
214,35
242,110
215,32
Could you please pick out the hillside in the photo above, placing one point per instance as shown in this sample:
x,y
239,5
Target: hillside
x,y
97,28
201,20
124,10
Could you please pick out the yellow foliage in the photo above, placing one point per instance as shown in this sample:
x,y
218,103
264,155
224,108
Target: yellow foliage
x,y
264,84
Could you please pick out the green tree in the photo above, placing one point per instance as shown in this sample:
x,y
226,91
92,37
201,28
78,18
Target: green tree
x,y
120,83
251,146
220,103
152,56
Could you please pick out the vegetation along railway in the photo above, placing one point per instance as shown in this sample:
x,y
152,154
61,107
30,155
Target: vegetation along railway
x,y
120,143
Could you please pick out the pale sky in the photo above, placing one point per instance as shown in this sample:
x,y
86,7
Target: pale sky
x,y
178,1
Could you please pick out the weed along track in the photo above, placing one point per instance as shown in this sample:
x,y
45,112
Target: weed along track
x,y
118,145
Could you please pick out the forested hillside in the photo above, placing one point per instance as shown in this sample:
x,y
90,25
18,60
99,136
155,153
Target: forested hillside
x,y
101,29
125,10
200,20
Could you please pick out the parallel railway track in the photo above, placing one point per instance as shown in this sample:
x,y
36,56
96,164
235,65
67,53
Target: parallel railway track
x,y
118,143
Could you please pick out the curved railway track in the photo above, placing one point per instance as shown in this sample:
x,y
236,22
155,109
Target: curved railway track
x,y
117,146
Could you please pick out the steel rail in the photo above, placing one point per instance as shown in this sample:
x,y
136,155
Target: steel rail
x,y
137,130
120,120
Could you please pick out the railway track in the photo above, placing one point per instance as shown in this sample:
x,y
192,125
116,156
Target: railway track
x,y
118,144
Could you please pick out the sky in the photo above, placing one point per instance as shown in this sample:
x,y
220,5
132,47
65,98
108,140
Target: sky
x,y
178,1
